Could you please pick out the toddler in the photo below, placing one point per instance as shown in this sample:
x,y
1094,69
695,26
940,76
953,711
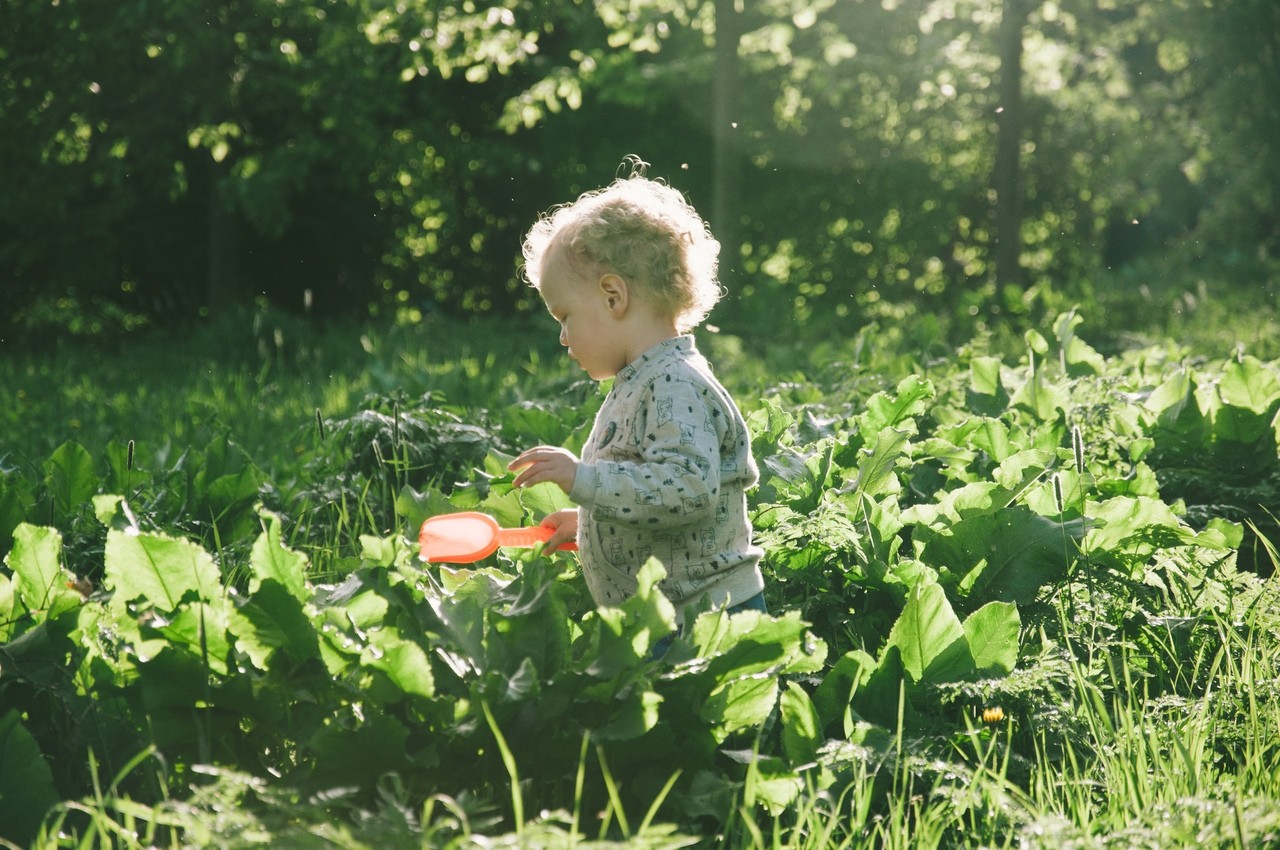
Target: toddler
x,y
627,271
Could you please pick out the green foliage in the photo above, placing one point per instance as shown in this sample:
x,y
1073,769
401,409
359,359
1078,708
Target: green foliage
x,y
977,578
1214,445
358,157
26,783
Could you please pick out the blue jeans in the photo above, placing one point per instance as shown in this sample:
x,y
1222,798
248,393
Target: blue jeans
x,y
755,603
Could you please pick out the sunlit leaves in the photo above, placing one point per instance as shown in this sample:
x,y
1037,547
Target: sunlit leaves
x,y
270,560
69,478
42,585
272,619
159,570
929,636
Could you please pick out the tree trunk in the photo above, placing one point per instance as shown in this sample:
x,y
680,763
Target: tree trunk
x,y
726,176
1007,179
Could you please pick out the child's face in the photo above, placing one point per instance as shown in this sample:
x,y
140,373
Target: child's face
x,y
587,326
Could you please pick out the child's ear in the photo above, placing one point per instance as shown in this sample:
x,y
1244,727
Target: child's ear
x,y
616,294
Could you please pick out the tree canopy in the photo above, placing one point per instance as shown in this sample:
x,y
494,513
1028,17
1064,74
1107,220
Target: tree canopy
x,y
164,159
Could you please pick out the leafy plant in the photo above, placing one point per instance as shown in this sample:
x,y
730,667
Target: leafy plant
x,y
974,582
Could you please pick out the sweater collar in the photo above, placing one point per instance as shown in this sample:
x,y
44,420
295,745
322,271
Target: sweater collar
x,y
657,354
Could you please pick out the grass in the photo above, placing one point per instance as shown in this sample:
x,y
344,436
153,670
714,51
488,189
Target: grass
x,y
269,372
1151,772
1153,745
264,373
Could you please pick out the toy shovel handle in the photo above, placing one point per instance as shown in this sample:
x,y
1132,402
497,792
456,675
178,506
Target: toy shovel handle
x,y
467,537
528,537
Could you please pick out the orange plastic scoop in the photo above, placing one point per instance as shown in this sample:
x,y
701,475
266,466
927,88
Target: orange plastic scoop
x,y
466,537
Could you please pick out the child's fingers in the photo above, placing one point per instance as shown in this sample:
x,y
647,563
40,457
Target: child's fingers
x,y
532,472
564,530
523,466
544,463
526,458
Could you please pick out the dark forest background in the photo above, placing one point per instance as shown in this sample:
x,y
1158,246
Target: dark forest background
x,y
166,161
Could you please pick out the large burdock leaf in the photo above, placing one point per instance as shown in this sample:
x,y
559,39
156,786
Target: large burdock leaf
x,y
876,466
1125,532
930,638
741,703
884,410
404,661
1006,555
626,633
26,782
160,569
1250,394
992,633
271,560
202,628
801,726
36,561
68,475
272,619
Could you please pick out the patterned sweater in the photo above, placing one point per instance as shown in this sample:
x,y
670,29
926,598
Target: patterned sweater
x,y
664,474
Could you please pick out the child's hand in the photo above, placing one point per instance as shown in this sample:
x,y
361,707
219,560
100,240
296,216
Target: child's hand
x,y
565,525
545,463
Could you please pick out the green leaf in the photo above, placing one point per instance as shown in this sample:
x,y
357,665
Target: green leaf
x,y
930,637
1177,409
768,424
740,703
832,697
10,608
878,698
68,475
160,569
271,560
529,622
15,501
377,551
1250,395
462,617
992,633
883,410
356,752
26,782
1078,357
404,662
1124,532
273,619
542,499
1007,554
1250,384
984,375
202,628
875,469
751,643
36,561
801,727
1040,397
627,632
173,683
634,712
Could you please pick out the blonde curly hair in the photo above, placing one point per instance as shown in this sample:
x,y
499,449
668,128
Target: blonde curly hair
x,y
645,232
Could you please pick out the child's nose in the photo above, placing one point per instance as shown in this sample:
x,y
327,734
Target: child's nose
x,y
564,337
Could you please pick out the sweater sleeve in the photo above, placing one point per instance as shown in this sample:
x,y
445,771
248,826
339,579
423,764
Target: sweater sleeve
x,y
666,470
